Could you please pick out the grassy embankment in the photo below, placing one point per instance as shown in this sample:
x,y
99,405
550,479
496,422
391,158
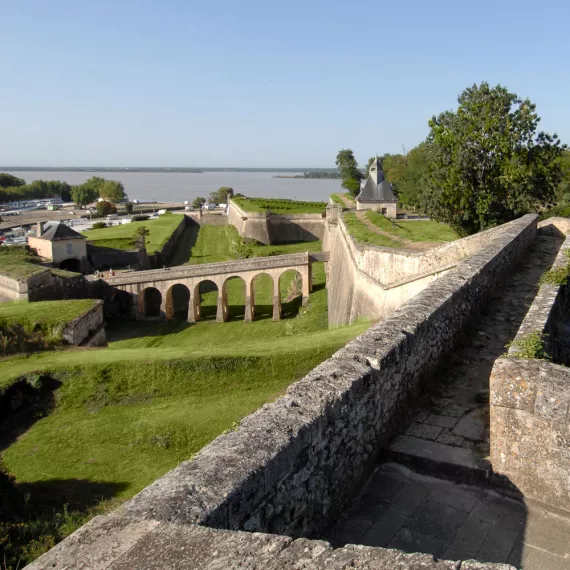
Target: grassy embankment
x,y
37,326
346,203
125,415
123,236
397,233
18,263
279,206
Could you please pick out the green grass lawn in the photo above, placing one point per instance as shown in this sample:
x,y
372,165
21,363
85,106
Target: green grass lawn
x,y
421,230
279,206
51,313
122,237
213,244
17,262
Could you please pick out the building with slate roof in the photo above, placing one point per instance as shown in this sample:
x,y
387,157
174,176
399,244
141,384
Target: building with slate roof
x,y
61,245
376,192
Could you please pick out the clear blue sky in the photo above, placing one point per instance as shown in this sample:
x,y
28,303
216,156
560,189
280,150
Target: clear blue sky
x,y
260,83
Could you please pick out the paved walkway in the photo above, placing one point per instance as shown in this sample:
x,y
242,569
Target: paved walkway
x,y
417,513
448,436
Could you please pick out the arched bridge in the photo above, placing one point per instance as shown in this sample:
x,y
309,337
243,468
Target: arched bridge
x,y
156,287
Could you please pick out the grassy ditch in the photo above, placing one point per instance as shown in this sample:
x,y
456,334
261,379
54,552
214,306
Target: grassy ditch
x,y
28,327
123,236
280,206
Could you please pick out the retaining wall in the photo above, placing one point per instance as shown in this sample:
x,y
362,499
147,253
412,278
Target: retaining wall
x,y
530,399
371,282
13,289
269,228
87,329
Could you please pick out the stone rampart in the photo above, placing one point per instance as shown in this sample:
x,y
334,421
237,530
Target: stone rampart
x,y
87,329
293,467
269,228
371,282
530,399
13,289
115,543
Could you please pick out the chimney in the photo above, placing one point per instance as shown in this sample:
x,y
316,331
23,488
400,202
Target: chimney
x,y
40,229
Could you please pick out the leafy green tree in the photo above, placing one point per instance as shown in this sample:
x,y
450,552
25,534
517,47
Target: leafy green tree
x,y
220,196
83,195
563,193
112,191
198,202
105,208
10,181
129,208
488,163
349,172
140,236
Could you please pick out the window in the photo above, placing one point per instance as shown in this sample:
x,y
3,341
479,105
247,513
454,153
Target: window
x,y
69,248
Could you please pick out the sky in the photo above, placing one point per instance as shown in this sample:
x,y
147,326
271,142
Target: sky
x,y
261,83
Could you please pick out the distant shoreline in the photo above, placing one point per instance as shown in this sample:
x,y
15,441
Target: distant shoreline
x,y
157,169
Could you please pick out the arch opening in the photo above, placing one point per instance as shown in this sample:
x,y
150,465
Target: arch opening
x,y
235,297
206,299
71,264
291,291
177,302
262,288
152,300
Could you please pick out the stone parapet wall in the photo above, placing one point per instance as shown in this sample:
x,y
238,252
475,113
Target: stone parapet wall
x,y
530,428
91,324
293,466
13,289
115,543
548,314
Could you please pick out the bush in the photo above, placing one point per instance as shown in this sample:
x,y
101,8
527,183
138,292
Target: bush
x,y
561,210
105,208
98,225
139,218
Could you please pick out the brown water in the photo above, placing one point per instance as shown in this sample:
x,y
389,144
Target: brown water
x,y
177,187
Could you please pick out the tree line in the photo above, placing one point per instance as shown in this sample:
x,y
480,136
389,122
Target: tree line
x,y
14,189
482,165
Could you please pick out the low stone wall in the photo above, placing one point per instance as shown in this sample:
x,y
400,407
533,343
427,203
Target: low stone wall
x,y
13,289
88,329
269,228
530,428
530,399
117,543
106,258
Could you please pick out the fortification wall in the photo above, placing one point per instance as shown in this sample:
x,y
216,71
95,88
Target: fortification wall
x,y
87,329
271,228
530,399
13,289
117,543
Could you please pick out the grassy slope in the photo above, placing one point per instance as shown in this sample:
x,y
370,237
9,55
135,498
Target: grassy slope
x,y
16,262
50,313
428,230
363,234
122,237
279,206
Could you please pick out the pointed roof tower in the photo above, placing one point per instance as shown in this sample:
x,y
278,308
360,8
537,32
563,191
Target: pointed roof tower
x,y
376,188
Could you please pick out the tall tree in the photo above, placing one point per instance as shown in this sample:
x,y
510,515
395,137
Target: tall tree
x,y
112,191
84,194
349,171
220,196
198,202
10,181
488,162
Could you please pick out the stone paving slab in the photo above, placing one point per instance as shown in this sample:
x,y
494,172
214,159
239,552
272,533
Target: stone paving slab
x,y
454,521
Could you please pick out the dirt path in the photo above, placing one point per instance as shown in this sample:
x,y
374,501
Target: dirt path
x,y
349,203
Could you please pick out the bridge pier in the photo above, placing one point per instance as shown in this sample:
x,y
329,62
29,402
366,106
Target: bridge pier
x,y
249,302
222,309
276,301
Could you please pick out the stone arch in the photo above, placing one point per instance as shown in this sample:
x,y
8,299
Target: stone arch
x,y
234,293
71,264
177,301
262,295
150,302
290,292
205,300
